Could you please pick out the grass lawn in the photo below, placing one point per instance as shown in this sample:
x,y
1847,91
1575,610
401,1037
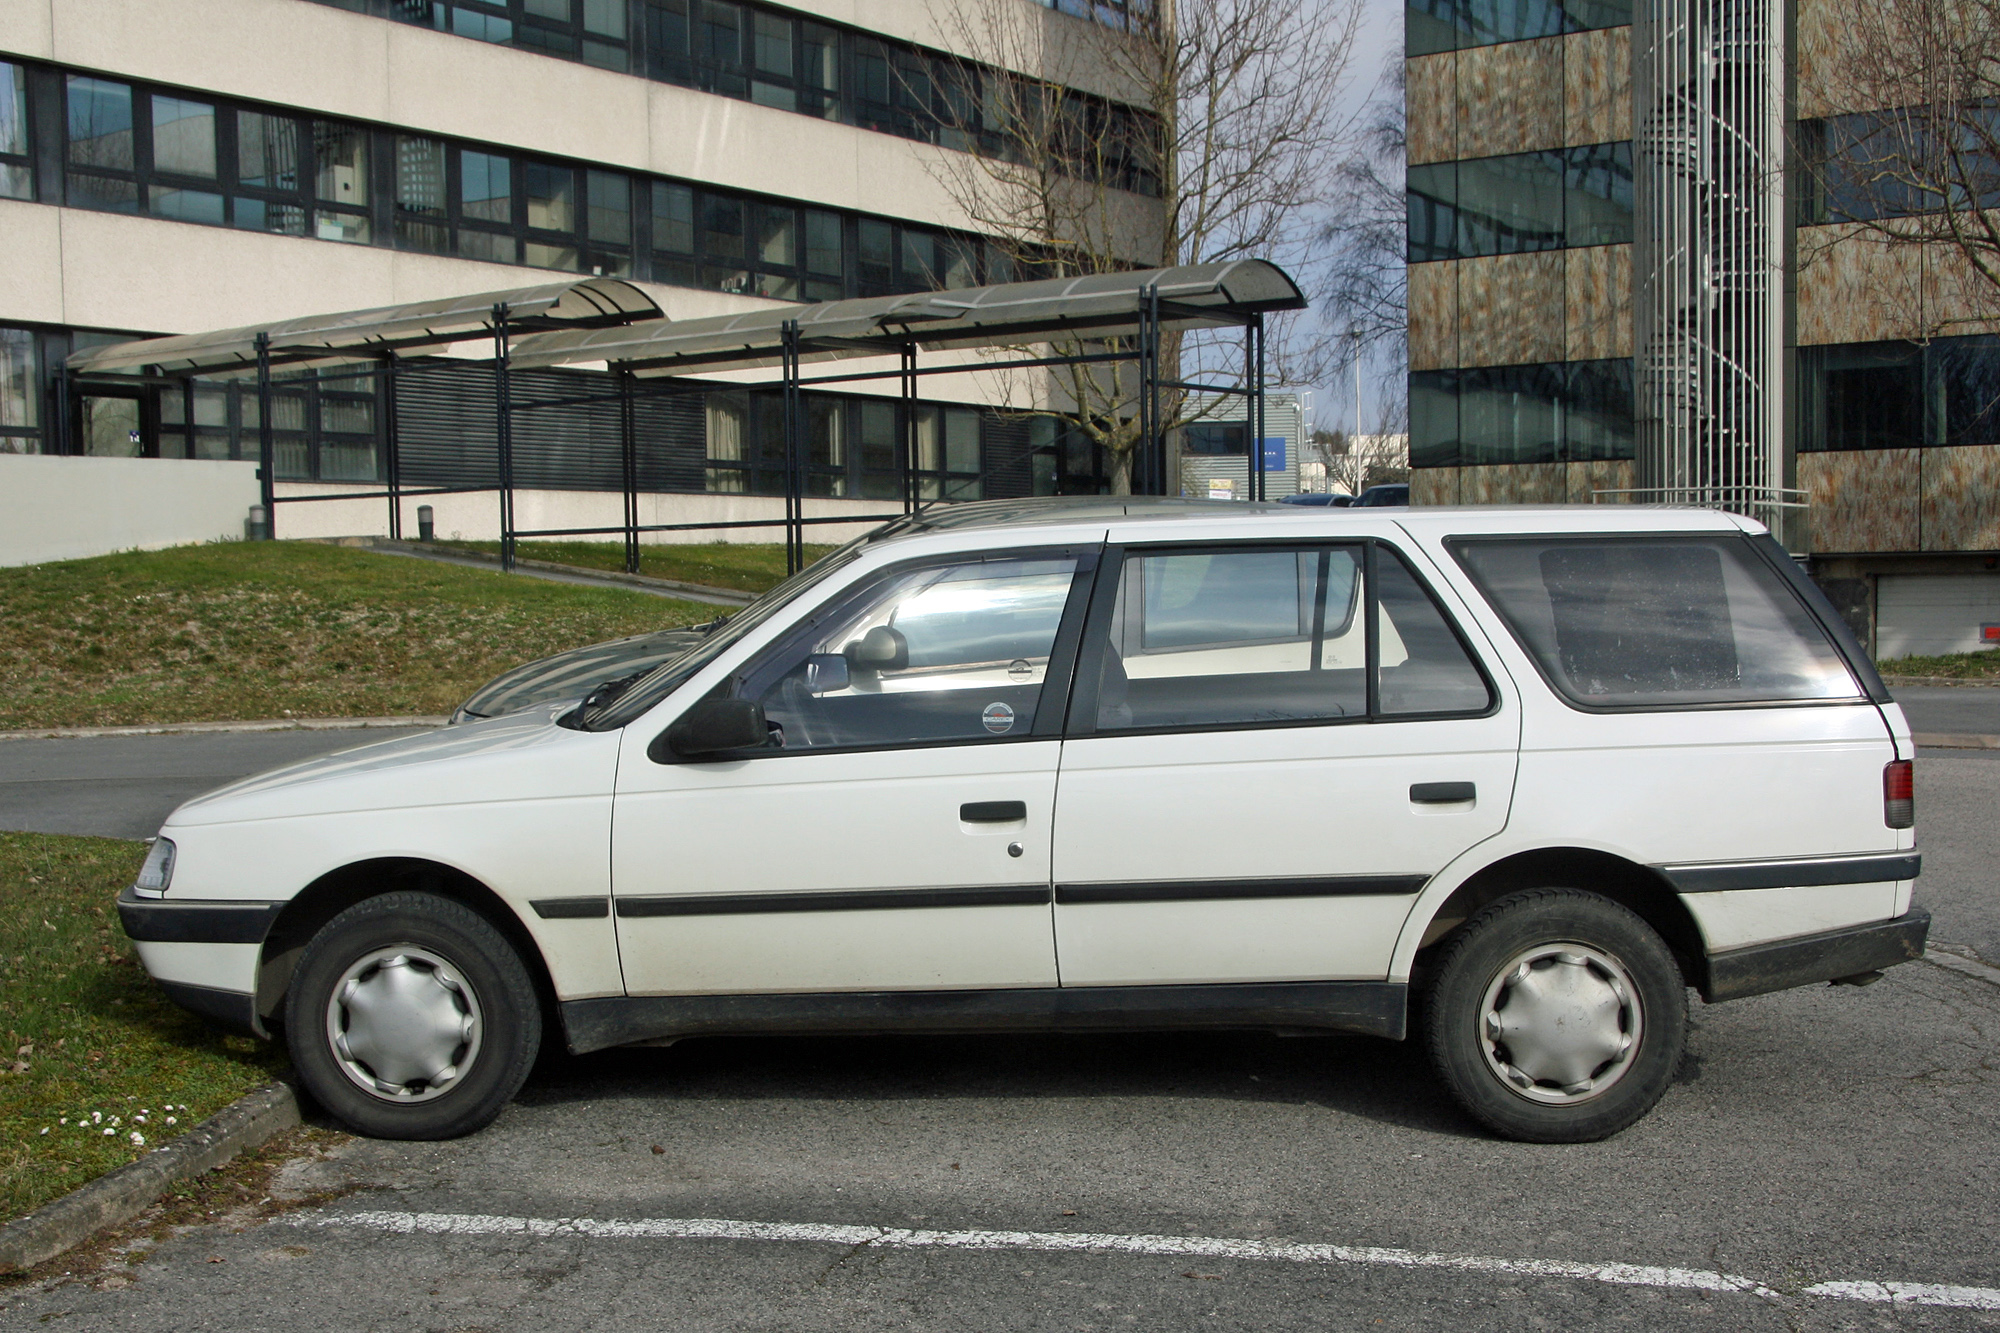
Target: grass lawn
x,y
248,630
1983,665
95,1053
746,568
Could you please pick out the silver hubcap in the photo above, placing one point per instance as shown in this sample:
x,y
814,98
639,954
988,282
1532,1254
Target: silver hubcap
x,y
403,1024
1560,1023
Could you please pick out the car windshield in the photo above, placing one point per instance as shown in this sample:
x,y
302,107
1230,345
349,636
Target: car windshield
x,y
671,674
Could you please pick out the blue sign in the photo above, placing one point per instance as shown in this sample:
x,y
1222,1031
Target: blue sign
x,y
1274,453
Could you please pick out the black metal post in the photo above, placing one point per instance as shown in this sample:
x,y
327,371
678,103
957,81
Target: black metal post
x,y
628,444
1256,404
1149,394
503,437
795,532
909,433
392,463
266,462
187,414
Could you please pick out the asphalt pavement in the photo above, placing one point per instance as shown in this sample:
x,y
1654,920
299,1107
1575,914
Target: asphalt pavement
x,y
125,786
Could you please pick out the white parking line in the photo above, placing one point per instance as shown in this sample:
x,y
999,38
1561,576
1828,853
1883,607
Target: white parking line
x,y
1200,1247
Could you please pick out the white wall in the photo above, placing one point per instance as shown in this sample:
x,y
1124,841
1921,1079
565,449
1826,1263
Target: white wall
x,y
1928,614
475,516
68,508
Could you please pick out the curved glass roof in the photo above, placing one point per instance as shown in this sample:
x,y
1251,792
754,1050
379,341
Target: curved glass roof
x,y
361,335
1099,305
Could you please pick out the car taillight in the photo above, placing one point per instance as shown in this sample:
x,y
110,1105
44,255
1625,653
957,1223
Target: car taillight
x,y
1899,794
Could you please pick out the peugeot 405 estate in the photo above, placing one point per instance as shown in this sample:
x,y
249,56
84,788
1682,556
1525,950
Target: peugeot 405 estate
x,y
1509,780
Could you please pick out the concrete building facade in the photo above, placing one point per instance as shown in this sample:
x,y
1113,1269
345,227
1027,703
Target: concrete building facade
x,y
208,164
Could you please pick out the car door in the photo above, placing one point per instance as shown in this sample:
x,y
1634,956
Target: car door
x,y
894,835
1273,746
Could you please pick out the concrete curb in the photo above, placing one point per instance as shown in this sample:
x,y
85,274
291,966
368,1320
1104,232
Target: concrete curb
x,y
176,728
1958,958
1984,683
248,1122
1944,741
701,591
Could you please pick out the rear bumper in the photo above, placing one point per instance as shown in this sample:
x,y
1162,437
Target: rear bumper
x,y
1781,965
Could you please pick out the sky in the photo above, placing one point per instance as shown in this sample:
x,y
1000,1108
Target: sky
x,y
1380,39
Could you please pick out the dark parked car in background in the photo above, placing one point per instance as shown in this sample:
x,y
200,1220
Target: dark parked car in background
x,y
1393,493
1317,498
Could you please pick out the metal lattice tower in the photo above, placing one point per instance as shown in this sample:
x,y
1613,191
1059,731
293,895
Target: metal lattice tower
x,y
1708,254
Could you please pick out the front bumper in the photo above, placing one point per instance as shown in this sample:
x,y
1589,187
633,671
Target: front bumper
x,y
203,954
1847,952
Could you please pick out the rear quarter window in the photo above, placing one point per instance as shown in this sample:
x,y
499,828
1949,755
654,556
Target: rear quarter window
x,y
1657,622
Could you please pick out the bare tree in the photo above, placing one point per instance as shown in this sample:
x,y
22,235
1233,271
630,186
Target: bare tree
x,y
1196,133
1366,290
1917,163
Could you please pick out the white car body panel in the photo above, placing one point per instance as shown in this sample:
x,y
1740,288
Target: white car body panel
x,y
534,811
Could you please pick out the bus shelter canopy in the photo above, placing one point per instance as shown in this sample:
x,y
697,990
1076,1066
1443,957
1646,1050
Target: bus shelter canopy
x,y
1100,305
365,335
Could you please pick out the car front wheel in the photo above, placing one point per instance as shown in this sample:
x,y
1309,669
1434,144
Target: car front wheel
x,y
1556,1016
411,1017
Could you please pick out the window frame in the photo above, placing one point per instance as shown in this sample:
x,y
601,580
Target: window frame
x,y
1082,720
1057,681
1759,554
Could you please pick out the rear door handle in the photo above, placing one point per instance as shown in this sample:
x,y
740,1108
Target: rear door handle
x,y
1442,793
993,812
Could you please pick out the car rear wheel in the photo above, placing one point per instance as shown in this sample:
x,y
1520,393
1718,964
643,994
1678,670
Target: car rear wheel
x,y
411,1017
1556,1016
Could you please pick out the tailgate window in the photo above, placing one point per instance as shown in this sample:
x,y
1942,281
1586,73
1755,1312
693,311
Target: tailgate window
x,y
1657,622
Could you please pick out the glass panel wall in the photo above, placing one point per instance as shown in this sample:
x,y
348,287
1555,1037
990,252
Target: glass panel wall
x,y
1560,412
1520,203
1457,25
17,176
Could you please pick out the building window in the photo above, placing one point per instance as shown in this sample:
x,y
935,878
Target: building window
x,y
1855,168
779,59
1899,395
20,393
511,210
1520,203
1216,438
131,150
322,426
854,447
17,176
1456,25
1576,411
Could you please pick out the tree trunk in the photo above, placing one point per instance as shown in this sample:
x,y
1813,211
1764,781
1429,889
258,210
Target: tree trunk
x,y
1121,471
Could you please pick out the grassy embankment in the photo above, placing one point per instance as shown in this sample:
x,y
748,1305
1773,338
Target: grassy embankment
x,y
99,1066
1980,666
745,568
241,631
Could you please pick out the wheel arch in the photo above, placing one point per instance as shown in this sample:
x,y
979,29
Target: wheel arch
x,y
337,890
1641,888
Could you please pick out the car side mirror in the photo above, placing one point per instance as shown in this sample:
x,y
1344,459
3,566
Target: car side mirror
x,y
826,672
715,727
881,649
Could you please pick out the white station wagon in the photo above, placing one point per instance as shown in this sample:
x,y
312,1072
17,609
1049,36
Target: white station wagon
x,y
1513,778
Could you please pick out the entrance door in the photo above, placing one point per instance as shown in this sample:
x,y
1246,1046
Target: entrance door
x,y
895,834
112,426
1272,748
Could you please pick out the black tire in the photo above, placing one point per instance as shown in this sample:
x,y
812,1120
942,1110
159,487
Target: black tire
x,y
1601,992
422,960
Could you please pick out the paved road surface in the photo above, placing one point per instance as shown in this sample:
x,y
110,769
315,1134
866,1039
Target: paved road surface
x,y
1957,710
124,786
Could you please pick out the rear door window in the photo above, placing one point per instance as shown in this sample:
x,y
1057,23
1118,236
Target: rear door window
x,y
1657,622
1269,636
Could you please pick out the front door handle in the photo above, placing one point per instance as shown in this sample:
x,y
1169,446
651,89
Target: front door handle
x,y
993,812
1442,793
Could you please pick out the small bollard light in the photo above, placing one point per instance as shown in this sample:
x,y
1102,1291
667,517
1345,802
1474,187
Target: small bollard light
x,y
426,528
260,523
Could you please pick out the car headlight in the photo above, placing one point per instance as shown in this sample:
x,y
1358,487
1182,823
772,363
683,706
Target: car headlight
x,y
158,872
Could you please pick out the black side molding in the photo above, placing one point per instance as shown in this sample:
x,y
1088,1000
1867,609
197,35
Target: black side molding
x,y
836,900
1762,968
1442,793
1180,891
1795,874
571,909
232,1011
164,921
1374,1008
